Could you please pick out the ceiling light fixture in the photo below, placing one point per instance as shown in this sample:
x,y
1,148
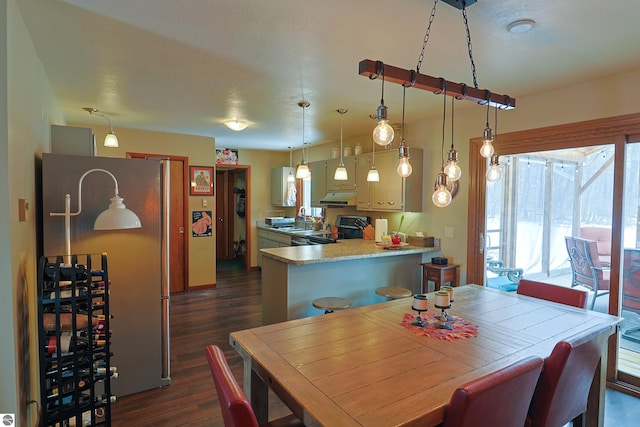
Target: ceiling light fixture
x,y
521,26
441,196
236,125
494,173
303,169
373,175
487,134
383,133
110,140
404,168
291,177
341,171
452,169
371,69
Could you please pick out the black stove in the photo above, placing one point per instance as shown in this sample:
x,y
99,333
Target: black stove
x,y
351,226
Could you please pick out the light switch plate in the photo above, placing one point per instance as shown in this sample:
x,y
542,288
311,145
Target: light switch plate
x,y
448,232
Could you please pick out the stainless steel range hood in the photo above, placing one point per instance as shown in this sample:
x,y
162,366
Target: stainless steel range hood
x,y
347,198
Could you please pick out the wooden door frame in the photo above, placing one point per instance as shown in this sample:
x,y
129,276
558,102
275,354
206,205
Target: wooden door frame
x,y
247,223
615,131
185,201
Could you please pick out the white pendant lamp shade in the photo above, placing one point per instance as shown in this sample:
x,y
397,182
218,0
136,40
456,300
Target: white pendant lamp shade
x,y
341,173
117,217
111,140
303,171
373,175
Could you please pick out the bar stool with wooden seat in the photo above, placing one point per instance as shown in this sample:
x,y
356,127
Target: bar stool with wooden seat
x,y
393,292
331,304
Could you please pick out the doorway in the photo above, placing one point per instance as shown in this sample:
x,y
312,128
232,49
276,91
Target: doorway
x,y
232,218
613,134
177,214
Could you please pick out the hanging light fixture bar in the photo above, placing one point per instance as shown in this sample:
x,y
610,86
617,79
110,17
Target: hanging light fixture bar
x,y
369,68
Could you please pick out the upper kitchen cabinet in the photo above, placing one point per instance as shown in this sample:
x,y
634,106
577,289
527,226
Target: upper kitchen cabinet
x,y
318,181
350,166
392,193
280,187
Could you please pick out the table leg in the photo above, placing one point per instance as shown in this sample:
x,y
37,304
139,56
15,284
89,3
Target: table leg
x,y
594,415
258,395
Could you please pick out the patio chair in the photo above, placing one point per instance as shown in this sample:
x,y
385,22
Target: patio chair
x,y
506,278
602,235
554,293
586,267
631,290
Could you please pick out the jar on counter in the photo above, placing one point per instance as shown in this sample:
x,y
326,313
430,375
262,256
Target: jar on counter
x,y
347,150
335,151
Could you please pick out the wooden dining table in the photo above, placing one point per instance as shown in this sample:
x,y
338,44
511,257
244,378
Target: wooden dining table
x,y
364,367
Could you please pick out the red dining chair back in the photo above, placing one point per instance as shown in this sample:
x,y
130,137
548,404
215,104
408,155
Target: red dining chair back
x,y
235,407
563,389
554,293
499,399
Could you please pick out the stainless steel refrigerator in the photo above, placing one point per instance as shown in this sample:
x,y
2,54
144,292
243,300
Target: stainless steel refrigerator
x,y
137,258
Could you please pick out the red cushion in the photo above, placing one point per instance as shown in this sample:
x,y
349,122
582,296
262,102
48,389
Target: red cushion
x,y
549,292
500,399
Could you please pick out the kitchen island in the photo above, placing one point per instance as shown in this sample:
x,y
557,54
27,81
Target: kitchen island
x,y
292,277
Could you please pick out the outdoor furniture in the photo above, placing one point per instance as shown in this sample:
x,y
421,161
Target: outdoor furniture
x,y
235,407
631,290
587,269
506,278
602,235
554,293
483,402
561,395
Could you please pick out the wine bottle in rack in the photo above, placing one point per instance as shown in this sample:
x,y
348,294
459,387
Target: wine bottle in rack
x,y
69,343
65,323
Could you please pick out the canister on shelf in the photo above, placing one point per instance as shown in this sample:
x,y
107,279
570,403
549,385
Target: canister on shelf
x,y
347,151
358,149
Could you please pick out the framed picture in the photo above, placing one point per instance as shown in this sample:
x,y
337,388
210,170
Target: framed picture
x,y
226,156
201,180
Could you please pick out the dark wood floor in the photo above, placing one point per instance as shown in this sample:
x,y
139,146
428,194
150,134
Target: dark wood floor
x,y
198,318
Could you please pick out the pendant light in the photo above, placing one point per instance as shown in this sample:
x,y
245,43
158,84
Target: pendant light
x,y
383,133
290,177
452,169
341,171
487,135
373,175
110,140
494,173
404,168
441,197
303,169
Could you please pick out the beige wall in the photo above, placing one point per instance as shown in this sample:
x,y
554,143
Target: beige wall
x,y
201,152
31,108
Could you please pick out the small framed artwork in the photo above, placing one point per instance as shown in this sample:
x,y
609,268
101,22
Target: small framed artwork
x,y
226,156
201,180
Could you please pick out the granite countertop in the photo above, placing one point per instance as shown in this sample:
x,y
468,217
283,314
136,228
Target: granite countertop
x,y
342,251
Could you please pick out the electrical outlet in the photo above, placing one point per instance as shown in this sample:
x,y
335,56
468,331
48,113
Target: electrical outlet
x,y
448,232
205,203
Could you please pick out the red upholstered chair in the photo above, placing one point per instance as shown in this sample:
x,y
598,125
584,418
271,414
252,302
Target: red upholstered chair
x,y
499,399
631,290
549,292
563,389
235,407
588,271
602,236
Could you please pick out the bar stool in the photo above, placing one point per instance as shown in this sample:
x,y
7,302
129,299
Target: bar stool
x,y
393,292
331,304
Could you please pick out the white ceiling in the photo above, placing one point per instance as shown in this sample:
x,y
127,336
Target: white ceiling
x,y
185,66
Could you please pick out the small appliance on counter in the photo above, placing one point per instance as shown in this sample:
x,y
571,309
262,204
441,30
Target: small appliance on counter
x,y
280,221
351,226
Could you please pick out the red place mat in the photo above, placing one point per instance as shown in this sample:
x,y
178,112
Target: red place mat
x,y
461,327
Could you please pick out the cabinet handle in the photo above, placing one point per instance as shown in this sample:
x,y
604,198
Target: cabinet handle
x,y
381,203
392,203
181,230
481,245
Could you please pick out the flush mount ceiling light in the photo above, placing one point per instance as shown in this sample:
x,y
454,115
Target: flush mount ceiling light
x,y
236,125
110,140
521,26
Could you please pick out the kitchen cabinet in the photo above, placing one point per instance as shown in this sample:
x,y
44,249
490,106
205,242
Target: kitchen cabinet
x,y
280,186
338,186
271,239
392,193
318,182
